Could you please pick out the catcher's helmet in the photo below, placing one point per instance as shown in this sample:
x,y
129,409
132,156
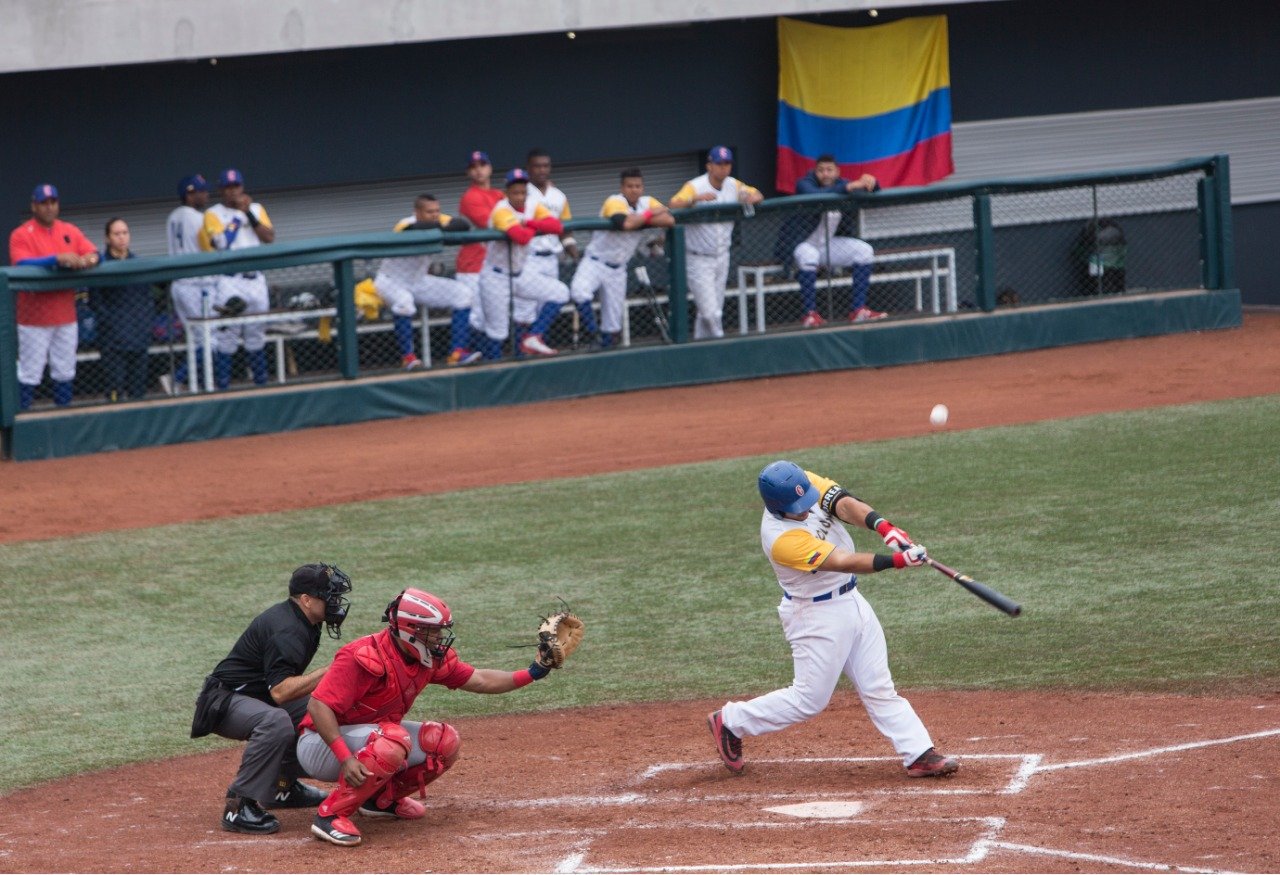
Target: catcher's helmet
x,y
326,582
785,488
414,615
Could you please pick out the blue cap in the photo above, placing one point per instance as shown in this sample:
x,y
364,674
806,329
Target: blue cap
x,y
44,192
188,184
231,176
720,155
478,157
517,175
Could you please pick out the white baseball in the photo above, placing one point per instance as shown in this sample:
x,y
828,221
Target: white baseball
x,y
938,415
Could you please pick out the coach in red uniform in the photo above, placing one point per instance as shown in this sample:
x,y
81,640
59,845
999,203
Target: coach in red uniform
x,y
47,331
361,704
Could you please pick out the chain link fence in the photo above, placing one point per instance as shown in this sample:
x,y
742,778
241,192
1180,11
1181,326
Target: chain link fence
x,y
793,264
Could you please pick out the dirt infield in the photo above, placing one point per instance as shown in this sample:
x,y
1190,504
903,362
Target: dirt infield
x,y
1058,783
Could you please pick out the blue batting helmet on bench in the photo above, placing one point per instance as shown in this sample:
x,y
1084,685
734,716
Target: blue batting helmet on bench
x,y
785,488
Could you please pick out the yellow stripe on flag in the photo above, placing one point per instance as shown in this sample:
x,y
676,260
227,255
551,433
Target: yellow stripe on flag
x,y
855,72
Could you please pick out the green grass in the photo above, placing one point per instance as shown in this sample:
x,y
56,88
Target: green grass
x,y
1142,545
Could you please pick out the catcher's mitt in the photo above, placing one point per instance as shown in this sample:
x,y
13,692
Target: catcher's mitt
x,y
558,636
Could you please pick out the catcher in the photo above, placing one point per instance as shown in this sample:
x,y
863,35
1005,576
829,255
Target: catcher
x,y
355,732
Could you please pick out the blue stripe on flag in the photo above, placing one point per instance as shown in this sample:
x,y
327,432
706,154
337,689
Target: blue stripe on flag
x,y
861,140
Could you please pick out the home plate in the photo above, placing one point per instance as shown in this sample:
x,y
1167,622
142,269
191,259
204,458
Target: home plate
x,y
830,809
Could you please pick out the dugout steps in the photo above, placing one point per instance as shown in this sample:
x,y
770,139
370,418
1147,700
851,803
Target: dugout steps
x,y
54,434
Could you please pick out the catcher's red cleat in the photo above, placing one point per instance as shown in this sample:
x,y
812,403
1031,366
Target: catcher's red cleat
x,y
932,764
728,745
405,808
336,829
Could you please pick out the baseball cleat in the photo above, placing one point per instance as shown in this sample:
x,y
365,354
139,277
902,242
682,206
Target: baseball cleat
x,y
813,319
866,314
336,829
463,357
932,764
728,745
411,362
406,808
533,344
244,815
296,795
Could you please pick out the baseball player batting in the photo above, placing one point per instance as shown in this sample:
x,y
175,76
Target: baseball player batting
x,y
831,628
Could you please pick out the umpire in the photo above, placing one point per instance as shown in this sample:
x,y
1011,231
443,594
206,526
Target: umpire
x,y
259,693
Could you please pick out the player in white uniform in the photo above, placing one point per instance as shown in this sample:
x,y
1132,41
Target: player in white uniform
x,y
545,249
707,243
831,628
505,276
239,223
406,283
605,267
192,295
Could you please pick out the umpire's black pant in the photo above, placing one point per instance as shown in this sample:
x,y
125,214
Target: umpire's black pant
x,y
272,733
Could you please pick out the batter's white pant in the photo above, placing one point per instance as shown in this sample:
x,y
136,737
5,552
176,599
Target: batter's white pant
x,y
252,287
320,763
401,297
193,297
839,251
547,265
51,344
497,288
707,275
827,638
472,282
595,274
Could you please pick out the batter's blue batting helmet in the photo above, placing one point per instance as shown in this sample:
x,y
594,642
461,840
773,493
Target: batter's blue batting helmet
x,y
785,488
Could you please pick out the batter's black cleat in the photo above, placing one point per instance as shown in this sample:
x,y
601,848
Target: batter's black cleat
x,y
932,764
728,745
245,815
295,794
336,829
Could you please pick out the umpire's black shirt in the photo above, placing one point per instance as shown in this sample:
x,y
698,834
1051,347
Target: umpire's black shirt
x,y
280,643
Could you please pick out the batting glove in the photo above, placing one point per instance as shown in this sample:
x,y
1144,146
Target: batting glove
x,y
912,556
896,538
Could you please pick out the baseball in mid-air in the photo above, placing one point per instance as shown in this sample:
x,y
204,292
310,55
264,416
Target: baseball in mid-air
x,y
938,415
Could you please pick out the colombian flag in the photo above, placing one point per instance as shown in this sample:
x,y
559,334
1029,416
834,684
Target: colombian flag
x,y
878,98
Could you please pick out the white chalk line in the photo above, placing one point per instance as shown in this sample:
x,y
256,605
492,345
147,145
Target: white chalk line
x,y
1102,858
658,768
639,826
978,850
1156,751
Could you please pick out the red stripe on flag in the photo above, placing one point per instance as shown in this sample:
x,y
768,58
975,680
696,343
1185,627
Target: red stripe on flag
x,y
928,162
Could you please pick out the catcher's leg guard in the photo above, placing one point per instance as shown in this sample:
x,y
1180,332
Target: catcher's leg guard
x,y
441,744
383,755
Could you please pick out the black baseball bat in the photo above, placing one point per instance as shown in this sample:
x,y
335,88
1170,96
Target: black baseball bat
x,y
981,590
659,317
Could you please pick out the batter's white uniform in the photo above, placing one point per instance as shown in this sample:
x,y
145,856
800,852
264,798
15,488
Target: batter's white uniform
x,y
505,274
823,247
707,252
604,265
192,295
830,633
545,249
251,286
402,282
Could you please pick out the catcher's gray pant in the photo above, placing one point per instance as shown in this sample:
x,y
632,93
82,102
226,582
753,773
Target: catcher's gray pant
x,y
271,731
595,273
321,764
707,275
827,638
252,287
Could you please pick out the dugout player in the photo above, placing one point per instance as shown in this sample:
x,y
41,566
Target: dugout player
x,y
47,329
505,275
707,243
476,205
192,295
259,693
360,706
404,283
605,267
831,628
237,222
545,250
828,239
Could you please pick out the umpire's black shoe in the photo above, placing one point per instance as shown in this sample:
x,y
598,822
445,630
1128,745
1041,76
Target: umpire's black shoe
x,y
244,815
295,794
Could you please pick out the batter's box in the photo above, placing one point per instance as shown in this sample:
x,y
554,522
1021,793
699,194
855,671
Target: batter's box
x,y
792,845
981,774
